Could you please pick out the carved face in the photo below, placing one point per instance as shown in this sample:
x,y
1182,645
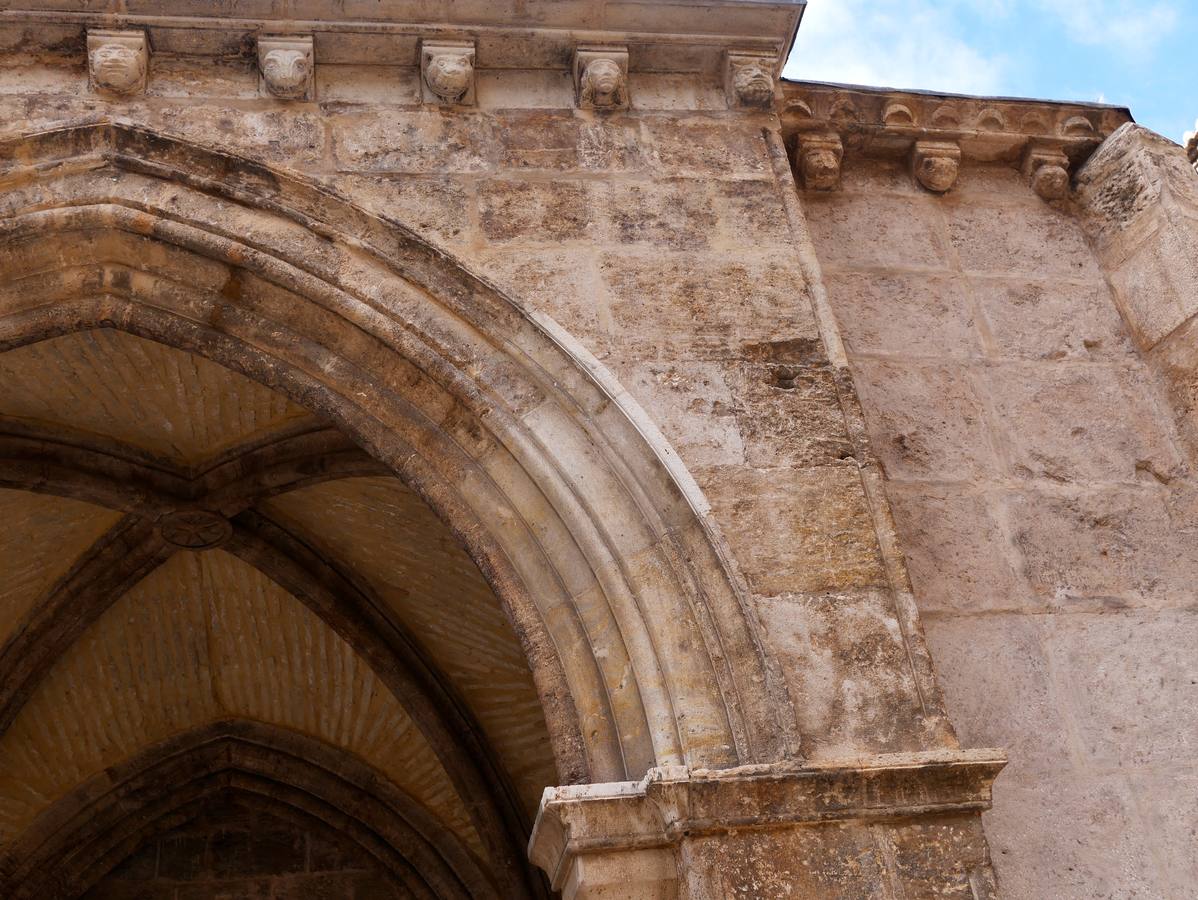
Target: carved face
x,y
117,67
286,72
753,85
448,75
821,169
1051,182
937,173
603,83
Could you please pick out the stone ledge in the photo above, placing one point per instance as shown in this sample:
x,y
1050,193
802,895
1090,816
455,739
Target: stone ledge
x,y
662,36
883,122
673,803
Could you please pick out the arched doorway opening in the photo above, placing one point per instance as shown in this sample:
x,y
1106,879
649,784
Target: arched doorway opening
x,y
407,458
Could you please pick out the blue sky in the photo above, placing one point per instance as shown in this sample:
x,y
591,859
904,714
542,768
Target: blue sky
x,y
1127,52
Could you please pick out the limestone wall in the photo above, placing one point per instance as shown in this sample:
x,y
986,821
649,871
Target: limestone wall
x,y
659,240
1044,502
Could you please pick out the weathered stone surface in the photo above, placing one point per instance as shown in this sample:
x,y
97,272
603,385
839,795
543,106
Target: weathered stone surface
x,y
708,307
1079,834
957,548
876,231
548,212
802,530
1100,548
1131,678
907,315
844,654
1050,320
999,682
928,421
1053,429
1019,239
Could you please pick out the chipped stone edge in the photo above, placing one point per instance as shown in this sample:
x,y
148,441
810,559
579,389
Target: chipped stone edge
x,y
673,803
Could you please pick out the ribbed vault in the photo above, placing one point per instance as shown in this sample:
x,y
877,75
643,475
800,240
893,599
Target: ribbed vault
x,y
304,472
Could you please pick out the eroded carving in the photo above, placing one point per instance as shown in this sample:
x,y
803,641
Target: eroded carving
x,y
117,61
447,71
1192,145
286,67
1047,171
818,160
749,80
601,78
194,529
935,164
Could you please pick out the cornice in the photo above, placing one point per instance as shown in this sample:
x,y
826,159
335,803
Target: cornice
x,y
675,803
680,36
1048,139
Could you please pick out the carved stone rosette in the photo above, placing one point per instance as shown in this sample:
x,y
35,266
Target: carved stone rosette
x,y
447,73
749,80
286,68
194,529
601,77
118,62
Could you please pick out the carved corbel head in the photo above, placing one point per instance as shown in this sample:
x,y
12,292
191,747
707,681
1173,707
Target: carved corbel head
x,y
286,67
117,61
749,80
447,73
1047,171
935,164
601,78
817,158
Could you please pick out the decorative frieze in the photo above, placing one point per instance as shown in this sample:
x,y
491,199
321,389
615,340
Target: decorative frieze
x,y
118,62
601,77
937,133
286,67
749,80
447,73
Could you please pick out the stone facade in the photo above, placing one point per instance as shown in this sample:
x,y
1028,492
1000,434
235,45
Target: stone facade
x,y
406,412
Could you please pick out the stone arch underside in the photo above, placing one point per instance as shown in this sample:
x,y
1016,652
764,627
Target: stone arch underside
x,y
265,768
585,525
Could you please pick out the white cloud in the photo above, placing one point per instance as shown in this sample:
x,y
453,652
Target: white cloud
x,y
915,44
1131,29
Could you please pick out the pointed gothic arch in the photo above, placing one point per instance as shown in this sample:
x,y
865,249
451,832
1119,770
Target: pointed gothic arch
x,y
636,627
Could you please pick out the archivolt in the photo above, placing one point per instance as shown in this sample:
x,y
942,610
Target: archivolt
x,y
580,515
85,834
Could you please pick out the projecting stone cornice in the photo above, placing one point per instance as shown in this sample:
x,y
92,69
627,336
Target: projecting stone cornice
x,y
673,804
826,123
660,35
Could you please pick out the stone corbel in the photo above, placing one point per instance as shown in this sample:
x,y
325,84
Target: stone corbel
x,y
817,160
601,77
118,62
935,164
749,80
1047,171
286,67
623,839
447,73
